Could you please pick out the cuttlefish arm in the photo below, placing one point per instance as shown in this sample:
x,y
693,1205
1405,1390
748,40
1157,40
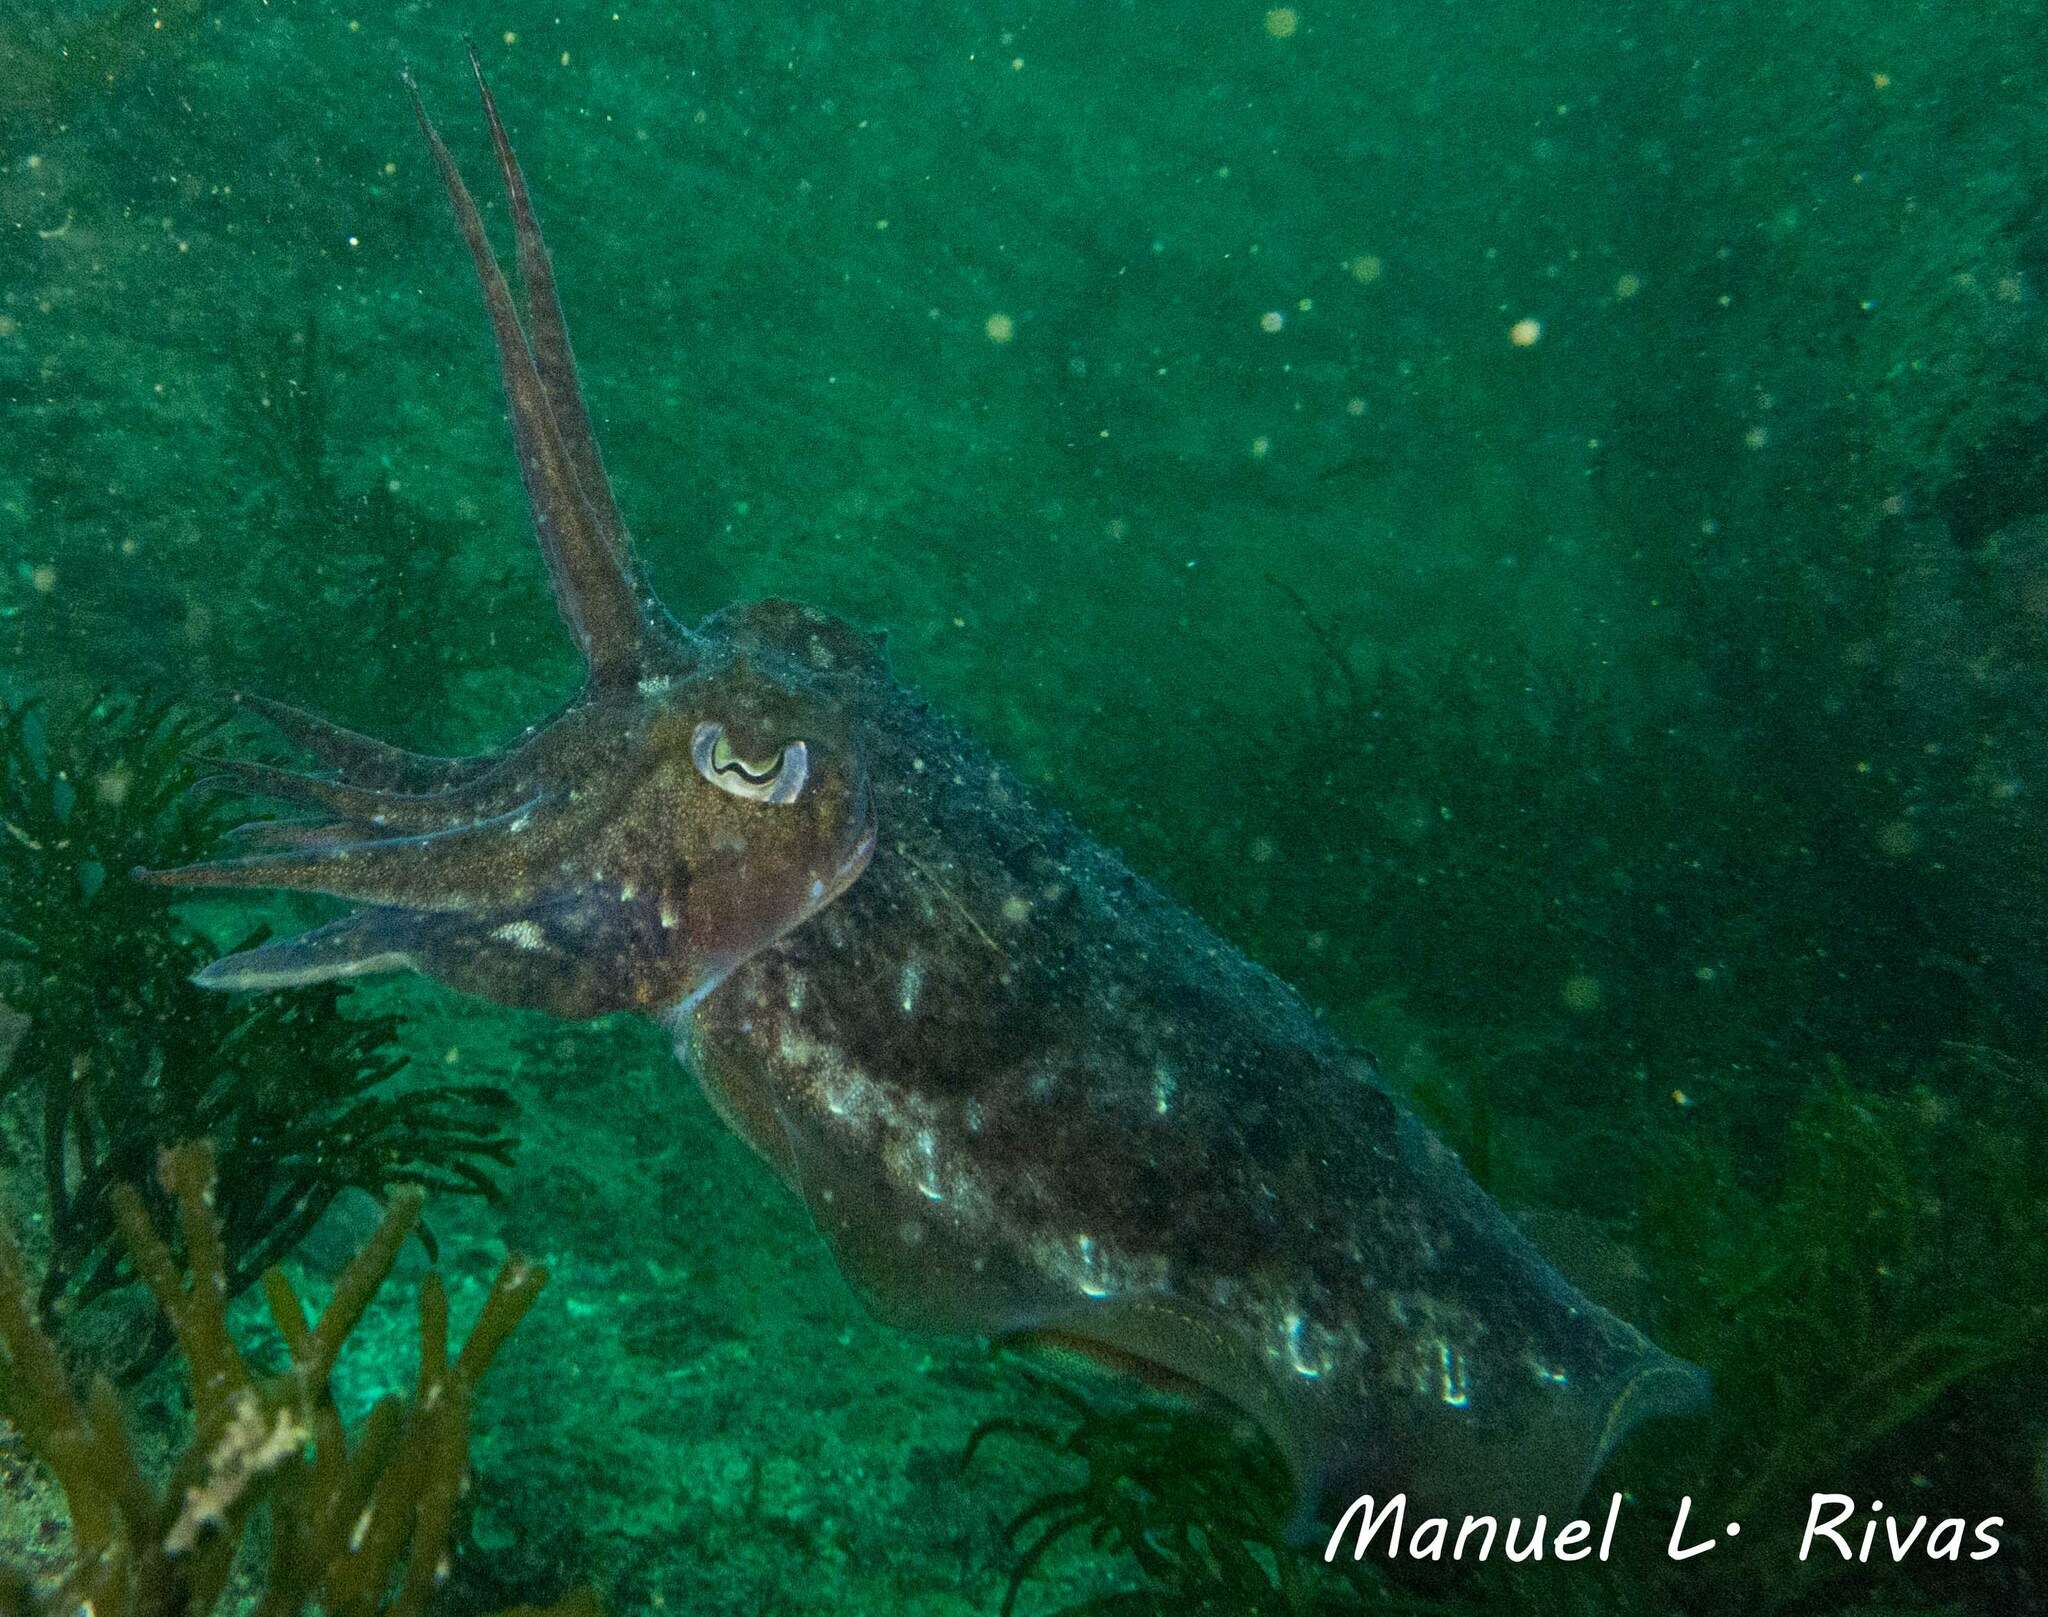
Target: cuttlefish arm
x,y
368,762
690,805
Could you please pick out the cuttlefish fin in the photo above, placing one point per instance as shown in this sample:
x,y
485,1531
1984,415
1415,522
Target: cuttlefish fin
x,y
464,867
587,565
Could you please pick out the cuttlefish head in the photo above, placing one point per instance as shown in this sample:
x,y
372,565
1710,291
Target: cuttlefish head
x,y
689,807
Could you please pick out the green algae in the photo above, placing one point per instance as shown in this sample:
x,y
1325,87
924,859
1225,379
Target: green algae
x,y
121,1056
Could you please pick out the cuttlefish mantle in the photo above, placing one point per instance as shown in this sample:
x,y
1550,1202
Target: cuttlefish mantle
x,y
1022,1093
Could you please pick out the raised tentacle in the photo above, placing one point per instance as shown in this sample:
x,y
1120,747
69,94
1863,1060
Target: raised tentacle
x,y
363,760
597,600
548,333
467,867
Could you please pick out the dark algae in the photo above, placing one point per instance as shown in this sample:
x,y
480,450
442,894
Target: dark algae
x,y
1310,797
118,1056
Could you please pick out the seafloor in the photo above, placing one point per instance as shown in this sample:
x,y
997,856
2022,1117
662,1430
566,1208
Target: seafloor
x,y
1532,520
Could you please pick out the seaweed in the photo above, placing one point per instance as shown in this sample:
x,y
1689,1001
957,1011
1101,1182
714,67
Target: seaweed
x,y
380,572
1691,856
1850,1303
1195,1499
363,1523
122,1055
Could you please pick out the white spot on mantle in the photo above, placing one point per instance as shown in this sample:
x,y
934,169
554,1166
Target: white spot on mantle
x,y
1451,1384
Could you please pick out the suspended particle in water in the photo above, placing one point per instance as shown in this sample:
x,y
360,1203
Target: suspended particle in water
x,y
1366,268
1757,437
112,787
43,579
1526,332
1282,21
1628,285
1261,445
1000,328
1271,321
1581,993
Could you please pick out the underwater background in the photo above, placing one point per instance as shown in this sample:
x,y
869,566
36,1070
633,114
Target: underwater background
x,y
1532,521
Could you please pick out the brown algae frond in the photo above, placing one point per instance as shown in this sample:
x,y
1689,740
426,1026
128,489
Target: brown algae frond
x,y
360,1523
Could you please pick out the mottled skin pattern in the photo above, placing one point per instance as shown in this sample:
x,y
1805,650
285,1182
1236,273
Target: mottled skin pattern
x,y
1022,1092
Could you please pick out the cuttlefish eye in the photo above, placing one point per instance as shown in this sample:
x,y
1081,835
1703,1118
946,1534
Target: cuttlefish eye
x,y
777,780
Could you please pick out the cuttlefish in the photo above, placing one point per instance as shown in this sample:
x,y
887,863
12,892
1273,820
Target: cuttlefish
x,y
1023,1093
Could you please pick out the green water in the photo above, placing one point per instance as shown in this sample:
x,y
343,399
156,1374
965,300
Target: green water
x,y
1533,521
